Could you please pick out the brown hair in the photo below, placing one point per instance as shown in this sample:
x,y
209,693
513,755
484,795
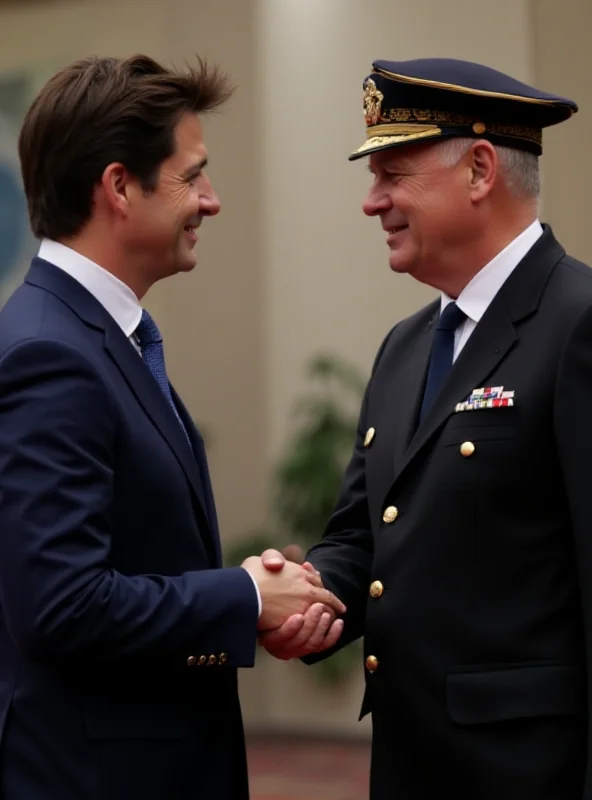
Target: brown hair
x,y
98,111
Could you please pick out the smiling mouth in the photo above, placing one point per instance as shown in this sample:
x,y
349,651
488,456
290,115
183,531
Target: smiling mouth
x,y
397,229
191,229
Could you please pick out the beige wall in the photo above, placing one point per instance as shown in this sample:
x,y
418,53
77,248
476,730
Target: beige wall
x,y
292,266
563,64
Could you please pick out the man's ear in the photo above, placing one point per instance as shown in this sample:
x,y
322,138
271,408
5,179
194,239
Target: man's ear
x,y
116,183
483,168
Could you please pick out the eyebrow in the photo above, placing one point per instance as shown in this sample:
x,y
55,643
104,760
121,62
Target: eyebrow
x,y
384,166
388,165
195,169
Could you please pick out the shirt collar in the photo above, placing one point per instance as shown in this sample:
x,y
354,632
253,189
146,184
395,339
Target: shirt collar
x,y
114,295
480,291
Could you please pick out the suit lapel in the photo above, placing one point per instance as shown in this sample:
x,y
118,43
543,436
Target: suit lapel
x,y
150,397
200,456
493,338
133,369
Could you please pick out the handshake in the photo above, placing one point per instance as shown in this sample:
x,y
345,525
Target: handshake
x,y
298,615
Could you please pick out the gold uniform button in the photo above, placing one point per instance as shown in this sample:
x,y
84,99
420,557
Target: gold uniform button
x,y
212,660
479,128
376,589
371,663
467,449
191,661
369,436
202,660
222,658
390,514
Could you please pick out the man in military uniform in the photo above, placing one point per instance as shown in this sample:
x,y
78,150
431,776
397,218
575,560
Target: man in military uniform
x,y
461,542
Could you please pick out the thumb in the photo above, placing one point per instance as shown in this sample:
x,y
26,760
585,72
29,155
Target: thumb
x,y
273,560
293,552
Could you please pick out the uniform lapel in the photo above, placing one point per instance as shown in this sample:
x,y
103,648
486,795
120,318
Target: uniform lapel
x,y
407,386
489,344
494,337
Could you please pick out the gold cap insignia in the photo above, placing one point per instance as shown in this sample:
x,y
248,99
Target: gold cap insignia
x,y
373,98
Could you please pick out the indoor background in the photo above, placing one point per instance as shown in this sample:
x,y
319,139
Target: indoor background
x,y
291,269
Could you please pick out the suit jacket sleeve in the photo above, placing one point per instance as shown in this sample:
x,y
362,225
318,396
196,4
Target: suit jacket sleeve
x,y
344,556
59,594
573,432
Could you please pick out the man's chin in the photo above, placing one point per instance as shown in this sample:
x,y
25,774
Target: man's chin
x,y
187,265
398,264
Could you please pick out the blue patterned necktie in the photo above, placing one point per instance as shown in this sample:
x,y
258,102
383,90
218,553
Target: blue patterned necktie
x,y
150,340
442,355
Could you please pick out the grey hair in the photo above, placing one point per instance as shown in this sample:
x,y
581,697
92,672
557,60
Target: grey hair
x,y
519,168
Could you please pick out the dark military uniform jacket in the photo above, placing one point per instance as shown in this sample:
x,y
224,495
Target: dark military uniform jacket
x,y
463,549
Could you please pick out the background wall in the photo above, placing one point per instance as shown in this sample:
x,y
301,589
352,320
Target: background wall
x,y
563,64
292,267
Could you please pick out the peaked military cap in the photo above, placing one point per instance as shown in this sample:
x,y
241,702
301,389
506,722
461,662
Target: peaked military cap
x,y
435,98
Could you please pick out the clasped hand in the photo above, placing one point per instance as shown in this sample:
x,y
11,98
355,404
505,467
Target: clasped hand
x,y
298,615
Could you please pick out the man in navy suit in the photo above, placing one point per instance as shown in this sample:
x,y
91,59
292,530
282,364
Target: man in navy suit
x,y
120,633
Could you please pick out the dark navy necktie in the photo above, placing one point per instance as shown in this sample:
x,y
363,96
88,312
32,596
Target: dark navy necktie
x,y
150,340
442,355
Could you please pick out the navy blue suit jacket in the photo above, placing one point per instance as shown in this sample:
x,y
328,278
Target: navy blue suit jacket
x,y
111,592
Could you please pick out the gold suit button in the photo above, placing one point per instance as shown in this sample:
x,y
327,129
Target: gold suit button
x,y
202,660
390,514
223,658
467,449
371,663
191,661
212,660
369,436
376,589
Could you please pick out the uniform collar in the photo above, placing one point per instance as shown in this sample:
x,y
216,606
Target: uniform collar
x,y
477,295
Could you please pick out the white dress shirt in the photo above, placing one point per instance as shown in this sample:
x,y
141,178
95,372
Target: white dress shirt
x,y
478,294
115,296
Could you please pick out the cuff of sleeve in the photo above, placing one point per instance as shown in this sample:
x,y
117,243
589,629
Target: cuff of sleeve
x,y
258,593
